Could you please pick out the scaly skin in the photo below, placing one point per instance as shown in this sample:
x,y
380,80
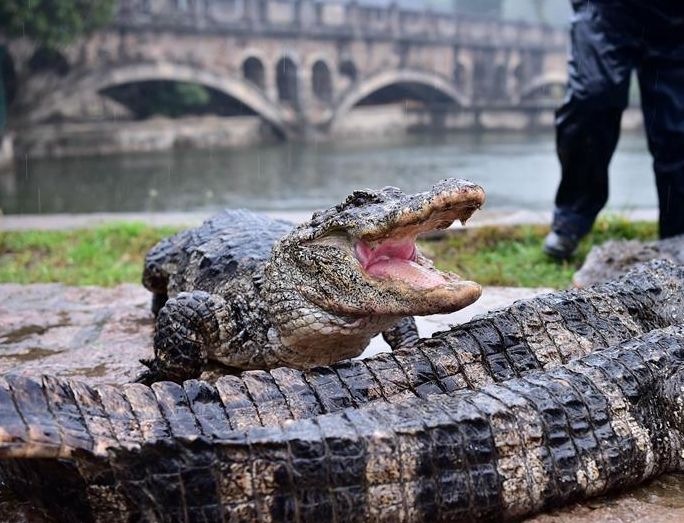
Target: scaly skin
x,y
254,293
74,422
535,334
600,423
603,422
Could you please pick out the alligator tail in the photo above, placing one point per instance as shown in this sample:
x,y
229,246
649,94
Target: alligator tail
x,y
600,423
596,425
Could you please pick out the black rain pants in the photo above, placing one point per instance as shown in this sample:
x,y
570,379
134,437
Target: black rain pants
x,y
609,40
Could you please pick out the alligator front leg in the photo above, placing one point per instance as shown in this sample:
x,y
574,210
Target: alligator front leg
x,y
186,329
404,334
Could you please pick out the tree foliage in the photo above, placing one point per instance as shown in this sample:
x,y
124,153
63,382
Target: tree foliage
x,y
167,98
50,23
181,98
53,22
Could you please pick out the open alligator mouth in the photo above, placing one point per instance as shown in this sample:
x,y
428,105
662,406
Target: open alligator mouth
x,y
388,251
376,231
398,260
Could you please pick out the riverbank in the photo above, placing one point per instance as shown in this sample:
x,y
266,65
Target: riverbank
x,y
75,139
111,254
60,222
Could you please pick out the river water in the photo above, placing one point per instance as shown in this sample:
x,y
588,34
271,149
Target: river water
x,y
518,171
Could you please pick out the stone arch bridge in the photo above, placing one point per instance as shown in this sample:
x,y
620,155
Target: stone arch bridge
x,y
301,65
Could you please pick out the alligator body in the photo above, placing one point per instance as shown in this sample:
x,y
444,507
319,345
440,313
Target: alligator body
x,y
614,258
602,422
534,334
62,439
254,293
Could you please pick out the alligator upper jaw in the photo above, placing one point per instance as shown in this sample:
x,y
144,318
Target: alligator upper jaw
x,y
413,215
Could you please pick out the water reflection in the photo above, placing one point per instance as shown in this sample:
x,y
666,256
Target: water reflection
x,y
518,171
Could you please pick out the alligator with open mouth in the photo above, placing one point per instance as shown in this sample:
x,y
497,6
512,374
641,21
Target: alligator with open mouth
x,y
405,435
250,292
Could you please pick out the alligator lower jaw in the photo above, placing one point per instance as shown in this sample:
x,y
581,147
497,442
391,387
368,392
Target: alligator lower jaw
x,y
395,256
396,266
397,259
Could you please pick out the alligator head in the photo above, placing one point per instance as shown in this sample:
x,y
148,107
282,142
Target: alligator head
x,y
358,262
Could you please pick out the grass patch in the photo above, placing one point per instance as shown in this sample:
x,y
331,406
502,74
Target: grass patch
x,y
114,253
512,256
105,256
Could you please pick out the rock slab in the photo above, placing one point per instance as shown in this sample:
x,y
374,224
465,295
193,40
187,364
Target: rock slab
x,y
88,333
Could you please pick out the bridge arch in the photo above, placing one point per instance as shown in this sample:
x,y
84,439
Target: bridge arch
x,y
321,81
500,82
460,75
287,80
238,88
347,68
253,70
384,79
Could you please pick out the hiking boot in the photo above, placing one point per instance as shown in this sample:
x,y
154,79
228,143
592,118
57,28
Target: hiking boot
x,y
560,247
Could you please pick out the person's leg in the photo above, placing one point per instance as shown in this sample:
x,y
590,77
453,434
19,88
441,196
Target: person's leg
x,y
602,56
661,79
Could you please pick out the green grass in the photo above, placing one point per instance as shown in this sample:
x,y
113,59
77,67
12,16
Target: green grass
x,y
113,254
512,256
106,255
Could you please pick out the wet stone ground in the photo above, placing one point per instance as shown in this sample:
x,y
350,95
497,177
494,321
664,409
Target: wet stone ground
x,y
85,332
99,335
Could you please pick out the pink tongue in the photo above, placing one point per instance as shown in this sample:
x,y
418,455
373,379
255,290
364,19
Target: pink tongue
x,y
403,249
406,270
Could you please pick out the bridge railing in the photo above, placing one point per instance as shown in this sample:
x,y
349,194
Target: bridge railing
x,y
333,18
